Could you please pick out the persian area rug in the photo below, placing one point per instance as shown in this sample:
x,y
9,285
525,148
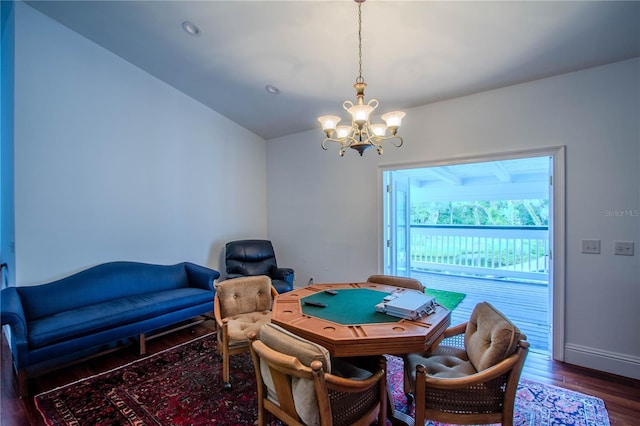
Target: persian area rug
x,y
183,386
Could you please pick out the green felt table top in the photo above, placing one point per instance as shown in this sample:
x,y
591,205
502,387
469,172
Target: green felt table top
x,y
349,306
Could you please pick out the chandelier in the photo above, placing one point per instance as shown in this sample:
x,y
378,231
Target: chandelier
x,y
361,134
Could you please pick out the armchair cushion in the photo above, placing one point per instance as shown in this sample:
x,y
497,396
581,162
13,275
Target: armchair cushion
x,y
250,257
239,326
244,295
245,305
257,257
443,362
281,340
490,337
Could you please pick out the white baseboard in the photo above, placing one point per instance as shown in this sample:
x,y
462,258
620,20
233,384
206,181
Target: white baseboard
x,y
597,359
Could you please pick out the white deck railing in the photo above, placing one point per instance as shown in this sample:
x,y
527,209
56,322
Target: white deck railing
x,y
509,252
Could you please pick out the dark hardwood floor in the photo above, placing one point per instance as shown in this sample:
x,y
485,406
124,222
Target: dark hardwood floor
x,y
621,395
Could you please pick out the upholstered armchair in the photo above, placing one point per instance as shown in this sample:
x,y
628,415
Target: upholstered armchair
x,y
257,257
240,306
472,375
405,282
301,385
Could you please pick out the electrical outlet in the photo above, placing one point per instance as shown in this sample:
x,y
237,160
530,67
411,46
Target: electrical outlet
x,y
311,280
623,248
590,246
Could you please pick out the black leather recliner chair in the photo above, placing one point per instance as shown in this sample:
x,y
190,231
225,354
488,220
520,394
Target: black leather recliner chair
x,y
257,257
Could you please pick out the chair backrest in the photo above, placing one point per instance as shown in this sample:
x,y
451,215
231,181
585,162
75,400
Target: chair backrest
x,y
244,294
392,280
480,398
295,382
489,337
250,257
285,361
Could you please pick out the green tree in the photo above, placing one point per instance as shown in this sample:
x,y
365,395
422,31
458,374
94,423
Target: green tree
x,y
481,213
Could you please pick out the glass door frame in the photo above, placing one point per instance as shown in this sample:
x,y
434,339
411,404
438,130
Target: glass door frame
x,y
557,226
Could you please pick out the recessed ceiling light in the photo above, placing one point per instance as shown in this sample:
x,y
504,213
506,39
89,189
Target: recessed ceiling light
x,y
270,88
191,28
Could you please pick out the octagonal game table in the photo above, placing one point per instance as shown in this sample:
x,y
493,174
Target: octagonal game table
x,y
350,326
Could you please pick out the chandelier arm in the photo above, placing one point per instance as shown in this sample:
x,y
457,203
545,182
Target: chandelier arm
x,y
346,142
390,138
400,142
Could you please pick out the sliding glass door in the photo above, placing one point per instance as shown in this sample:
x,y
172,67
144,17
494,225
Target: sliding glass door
x,y
397,225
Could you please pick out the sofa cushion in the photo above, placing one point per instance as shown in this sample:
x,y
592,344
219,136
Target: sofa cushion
x,y
93,318
100,284
489,337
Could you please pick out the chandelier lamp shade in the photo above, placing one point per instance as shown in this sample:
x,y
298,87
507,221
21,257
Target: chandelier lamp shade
x,y
361,134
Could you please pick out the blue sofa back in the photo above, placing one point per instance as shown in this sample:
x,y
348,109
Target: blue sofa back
x,y
99,284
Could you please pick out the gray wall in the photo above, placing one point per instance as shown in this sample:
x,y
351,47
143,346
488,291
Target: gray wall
x,y
325,211
7,237
113,164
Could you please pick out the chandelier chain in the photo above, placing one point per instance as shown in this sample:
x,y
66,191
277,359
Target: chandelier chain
x,y
360,79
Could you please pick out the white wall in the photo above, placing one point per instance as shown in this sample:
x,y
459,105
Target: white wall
x,y
6,143
324,211
113,164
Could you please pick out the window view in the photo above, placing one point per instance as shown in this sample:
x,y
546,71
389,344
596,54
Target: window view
x,y
456,233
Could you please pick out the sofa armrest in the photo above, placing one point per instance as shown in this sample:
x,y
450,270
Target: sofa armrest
x,y
285,274
200,276
12,314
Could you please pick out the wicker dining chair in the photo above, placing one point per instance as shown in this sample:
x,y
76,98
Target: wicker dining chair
x,y
300,384
396,281
472,376
240,306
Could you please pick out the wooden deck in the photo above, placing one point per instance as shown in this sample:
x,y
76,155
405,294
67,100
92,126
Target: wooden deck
x,y
526,304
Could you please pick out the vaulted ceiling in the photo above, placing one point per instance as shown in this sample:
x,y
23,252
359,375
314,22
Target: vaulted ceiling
x,y
414,52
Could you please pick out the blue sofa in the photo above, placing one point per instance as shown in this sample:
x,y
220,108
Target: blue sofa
x,y
97,309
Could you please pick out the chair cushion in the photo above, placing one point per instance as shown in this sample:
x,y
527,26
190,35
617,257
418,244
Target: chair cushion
x,y
443,362
490,337
245,294
239,326
304,395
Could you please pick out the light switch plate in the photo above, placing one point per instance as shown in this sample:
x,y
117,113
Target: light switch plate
x,y
590,246
623,248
